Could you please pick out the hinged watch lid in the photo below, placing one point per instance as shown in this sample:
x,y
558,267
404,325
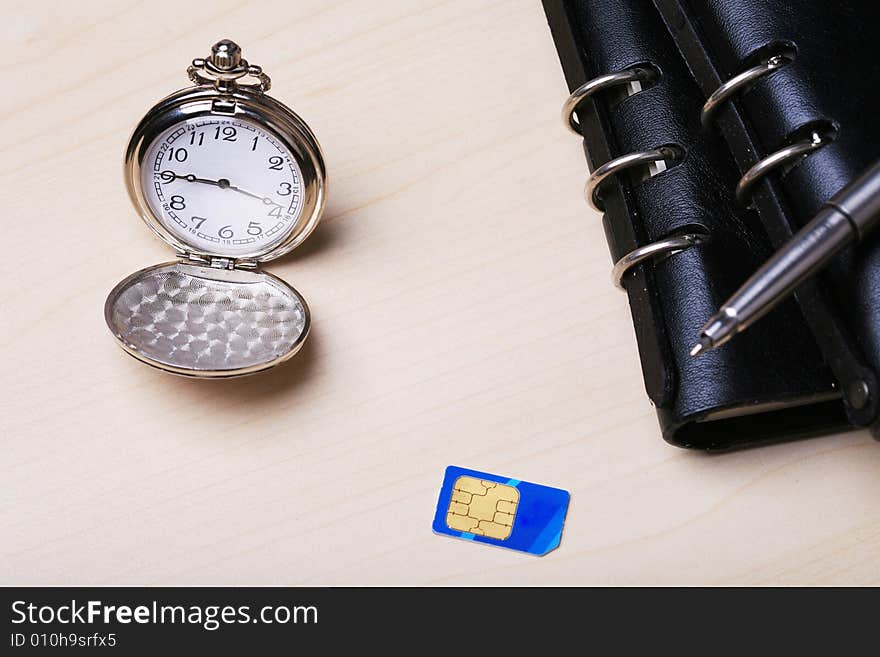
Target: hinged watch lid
x,y
201,321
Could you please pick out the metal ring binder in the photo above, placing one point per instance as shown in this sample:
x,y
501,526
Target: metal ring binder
x,y
618,164
739,82
775,160
653,251
590,87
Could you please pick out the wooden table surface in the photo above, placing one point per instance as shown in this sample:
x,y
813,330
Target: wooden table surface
x,y
462,310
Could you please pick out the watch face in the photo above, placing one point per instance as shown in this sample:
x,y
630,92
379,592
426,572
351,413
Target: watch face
x,y
223,186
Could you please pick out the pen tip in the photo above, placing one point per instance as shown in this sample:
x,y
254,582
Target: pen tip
x,y
701,346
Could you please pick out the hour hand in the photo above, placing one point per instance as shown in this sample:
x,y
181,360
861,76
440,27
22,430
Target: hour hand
x,y
168,175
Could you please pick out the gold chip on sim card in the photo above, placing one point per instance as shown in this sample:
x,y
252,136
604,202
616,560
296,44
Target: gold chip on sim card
x,y
482,507
487,508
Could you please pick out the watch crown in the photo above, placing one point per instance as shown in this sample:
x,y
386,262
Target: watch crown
x,y
225,54
224,67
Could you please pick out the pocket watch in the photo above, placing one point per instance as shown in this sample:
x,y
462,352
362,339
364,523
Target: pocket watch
x,y
230,178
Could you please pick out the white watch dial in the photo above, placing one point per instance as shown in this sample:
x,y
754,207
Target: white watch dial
x,y
223,186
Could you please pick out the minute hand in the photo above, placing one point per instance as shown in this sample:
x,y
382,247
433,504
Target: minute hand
x,y
245,192
264,199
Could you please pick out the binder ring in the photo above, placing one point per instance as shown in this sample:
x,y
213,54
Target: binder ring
x,y
618,164
739,82
653,251
775,160
590,87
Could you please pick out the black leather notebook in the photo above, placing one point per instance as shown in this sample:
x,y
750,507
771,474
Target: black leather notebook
x,y
795,124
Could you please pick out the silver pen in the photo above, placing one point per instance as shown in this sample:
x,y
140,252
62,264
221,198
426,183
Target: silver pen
x,y
848,216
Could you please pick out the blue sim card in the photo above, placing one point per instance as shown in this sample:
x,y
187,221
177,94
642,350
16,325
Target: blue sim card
x,y
486,508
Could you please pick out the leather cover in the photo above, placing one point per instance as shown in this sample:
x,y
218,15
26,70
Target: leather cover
x,y
794,372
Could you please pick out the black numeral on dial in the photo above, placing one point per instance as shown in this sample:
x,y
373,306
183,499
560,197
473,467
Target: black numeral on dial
x,y
225,232
254,228
285,189
177,155
226,133
178,202
275,162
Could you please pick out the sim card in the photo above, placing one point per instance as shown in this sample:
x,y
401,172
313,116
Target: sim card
x,y
486,508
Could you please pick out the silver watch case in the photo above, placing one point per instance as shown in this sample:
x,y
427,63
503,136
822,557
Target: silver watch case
x,y
211,315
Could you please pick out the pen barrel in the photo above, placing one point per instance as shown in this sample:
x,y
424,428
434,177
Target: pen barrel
x,y
860,201
810,248
846,217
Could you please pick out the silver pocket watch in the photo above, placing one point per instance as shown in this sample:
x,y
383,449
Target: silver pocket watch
x,y
230,178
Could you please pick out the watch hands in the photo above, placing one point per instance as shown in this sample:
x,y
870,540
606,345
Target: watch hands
x,y
222,183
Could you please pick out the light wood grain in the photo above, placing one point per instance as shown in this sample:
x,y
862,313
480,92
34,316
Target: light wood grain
x,y
462,311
